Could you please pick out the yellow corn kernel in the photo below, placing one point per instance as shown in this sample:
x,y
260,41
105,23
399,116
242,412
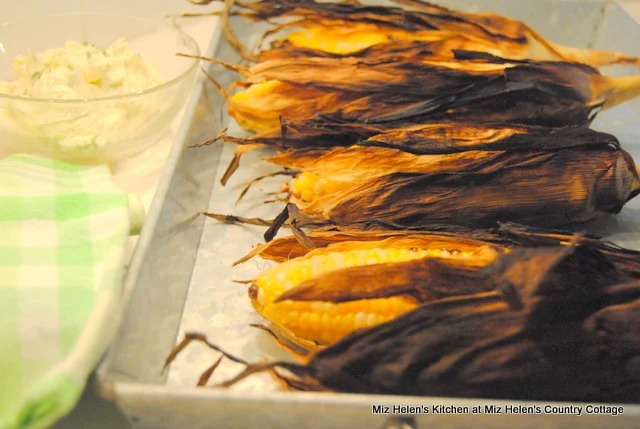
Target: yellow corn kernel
x,y
327,322
350,259
292,319
359,320
255,90
308,186
306,195
242,106
348,40
314,322
303,321
353,37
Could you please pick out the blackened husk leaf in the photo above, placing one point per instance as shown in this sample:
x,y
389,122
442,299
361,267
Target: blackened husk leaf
x,y
311,133
429,279
453,138
618,327
396,51
536,282
479,346
425,280
626,260
417,80
520,96
299,141
438,18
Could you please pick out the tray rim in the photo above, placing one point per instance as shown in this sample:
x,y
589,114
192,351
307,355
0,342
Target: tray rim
x,y
115,390
157,204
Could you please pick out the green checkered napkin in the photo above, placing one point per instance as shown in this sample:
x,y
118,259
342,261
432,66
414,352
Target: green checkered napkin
x,y
63,232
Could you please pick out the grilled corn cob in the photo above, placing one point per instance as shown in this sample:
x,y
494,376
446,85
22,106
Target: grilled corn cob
x,y
536,176
349,27
391,94
323,315
551,314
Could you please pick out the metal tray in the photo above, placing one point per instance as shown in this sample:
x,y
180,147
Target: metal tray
x,y
180,278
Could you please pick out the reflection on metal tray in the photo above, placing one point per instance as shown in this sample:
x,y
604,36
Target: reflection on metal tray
x,y
181,275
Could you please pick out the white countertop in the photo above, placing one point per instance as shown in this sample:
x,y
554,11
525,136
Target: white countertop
x,y
632,7
93,412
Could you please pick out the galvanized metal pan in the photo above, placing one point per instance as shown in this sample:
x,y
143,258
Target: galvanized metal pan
x,y
181,277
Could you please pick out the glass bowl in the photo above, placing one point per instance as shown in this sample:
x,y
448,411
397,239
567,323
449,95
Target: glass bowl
x,y
101,130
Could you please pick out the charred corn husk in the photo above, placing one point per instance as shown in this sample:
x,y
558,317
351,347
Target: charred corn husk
x,y
349,27
537,176
317,298
509,234
391,94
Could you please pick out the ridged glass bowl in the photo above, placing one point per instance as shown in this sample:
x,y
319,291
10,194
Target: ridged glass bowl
x,y
94,130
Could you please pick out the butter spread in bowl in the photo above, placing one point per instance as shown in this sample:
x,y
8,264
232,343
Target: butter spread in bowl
x,y
92,104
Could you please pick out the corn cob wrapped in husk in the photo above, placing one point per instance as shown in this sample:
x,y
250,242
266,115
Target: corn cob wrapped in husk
x,y
358,276
558,324
459,174
471,87
534,176
349,28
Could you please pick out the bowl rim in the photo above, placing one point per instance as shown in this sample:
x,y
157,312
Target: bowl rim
x,y
157,88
